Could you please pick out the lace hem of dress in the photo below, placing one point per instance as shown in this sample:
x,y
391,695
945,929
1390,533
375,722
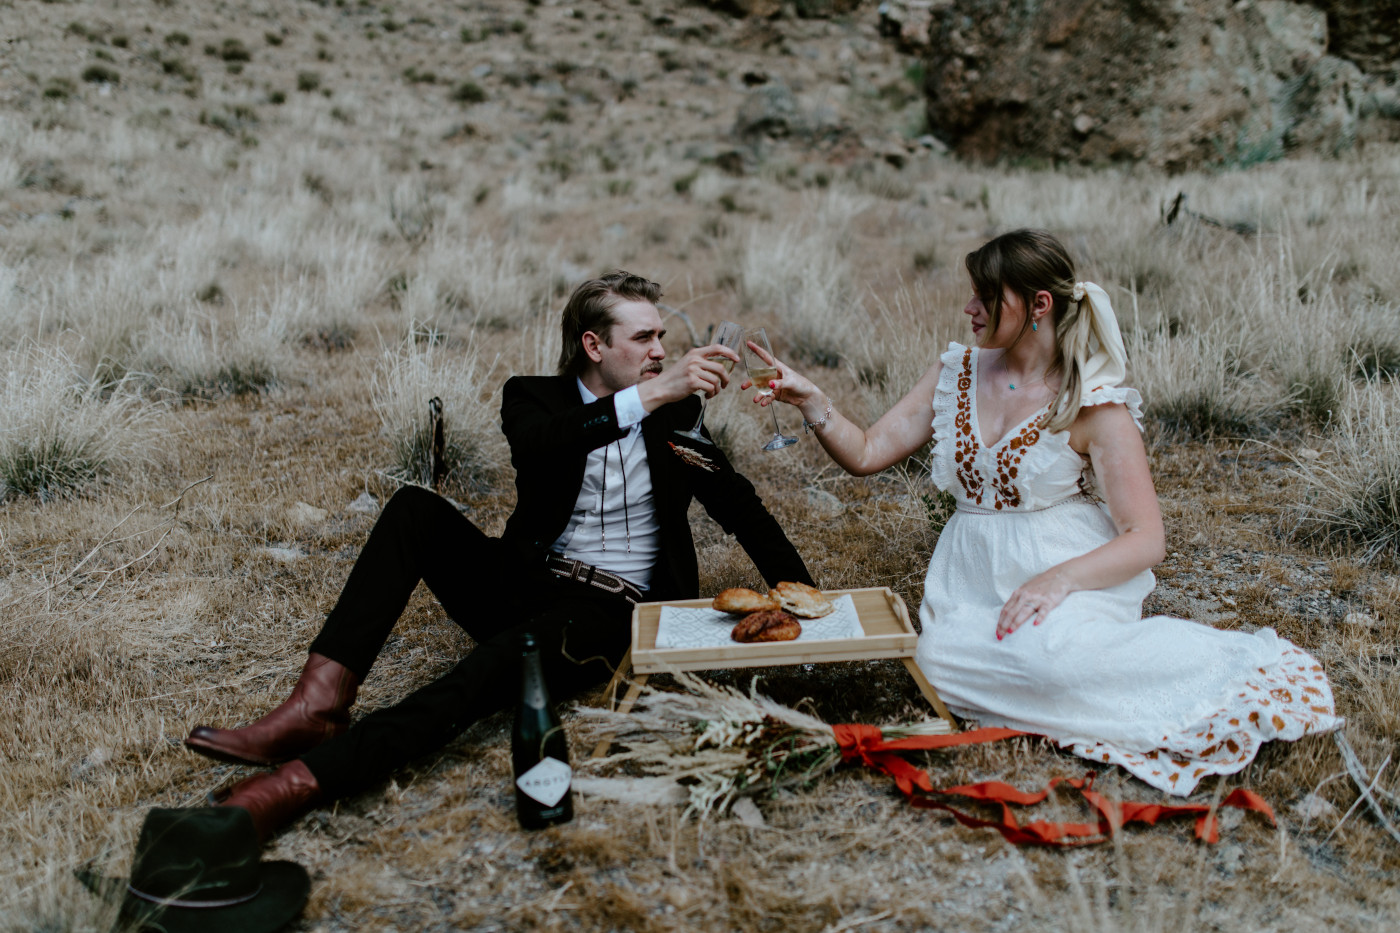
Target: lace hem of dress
x,y
942,468
1285,701
1119,395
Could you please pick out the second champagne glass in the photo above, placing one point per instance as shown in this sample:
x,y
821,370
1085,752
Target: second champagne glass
x,y
730,335
762,370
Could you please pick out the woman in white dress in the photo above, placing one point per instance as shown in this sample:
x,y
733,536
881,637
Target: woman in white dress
x,y
1032,605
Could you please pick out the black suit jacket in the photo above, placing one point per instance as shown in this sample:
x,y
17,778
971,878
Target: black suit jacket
x,y
551,432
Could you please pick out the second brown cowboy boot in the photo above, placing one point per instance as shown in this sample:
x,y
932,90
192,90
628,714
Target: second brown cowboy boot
x,y
274,798
317,710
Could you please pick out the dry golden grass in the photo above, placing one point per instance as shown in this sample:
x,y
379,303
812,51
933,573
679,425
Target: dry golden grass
x,y
287,274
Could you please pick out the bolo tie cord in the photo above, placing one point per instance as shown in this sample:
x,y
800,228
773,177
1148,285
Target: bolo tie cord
x,y
603,499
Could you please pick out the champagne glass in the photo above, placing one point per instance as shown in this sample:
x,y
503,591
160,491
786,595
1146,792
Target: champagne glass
x,y
730,335
762,370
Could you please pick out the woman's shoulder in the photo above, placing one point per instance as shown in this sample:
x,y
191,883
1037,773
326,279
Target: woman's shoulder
x,y
954,356
1107,398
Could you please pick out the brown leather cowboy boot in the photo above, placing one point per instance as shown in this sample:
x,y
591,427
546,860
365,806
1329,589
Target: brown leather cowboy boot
x,y
274,798
318,709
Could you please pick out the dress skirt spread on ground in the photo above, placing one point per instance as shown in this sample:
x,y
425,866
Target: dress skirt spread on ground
x,y
1170,700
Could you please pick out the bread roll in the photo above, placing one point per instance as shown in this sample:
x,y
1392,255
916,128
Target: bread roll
x,y
739,600
767,625
802,600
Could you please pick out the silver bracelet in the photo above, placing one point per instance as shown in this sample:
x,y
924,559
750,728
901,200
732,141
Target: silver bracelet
x,y
809,426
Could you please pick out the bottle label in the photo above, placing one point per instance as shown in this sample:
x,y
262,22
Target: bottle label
x,y
547,782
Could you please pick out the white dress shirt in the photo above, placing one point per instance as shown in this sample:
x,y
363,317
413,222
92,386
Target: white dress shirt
x,y
613,526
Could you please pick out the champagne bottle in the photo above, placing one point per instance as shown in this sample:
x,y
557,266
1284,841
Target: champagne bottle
x,y
539,749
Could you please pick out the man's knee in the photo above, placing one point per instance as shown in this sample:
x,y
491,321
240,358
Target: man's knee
x,y
412,499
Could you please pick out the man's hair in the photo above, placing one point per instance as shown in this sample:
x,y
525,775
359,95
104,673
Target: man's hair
x,y
590,309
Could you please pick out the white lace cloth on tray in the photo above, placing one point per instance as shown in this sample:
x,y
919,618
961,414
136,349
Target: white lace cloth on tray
x,y
703,627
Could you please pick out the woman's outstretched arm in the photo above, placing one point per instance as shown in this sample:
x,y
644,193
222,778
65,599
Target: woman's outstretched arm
x,y
1114,445
900,431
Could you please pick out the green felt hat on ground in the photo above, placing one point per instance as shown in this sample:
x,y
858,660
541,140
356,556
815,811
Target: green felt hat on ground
x,y
198,870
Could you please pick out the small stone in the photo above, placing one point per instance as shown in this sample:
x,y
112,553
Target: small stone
x,y
824,504
1084,123
1230,858
1311,808
1307,453
746,811
286,555
303,513
1358,618
364,503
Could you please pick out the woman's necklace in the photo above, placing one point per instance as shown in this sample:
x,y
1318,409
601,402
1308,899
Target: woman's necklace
x,y
1025,385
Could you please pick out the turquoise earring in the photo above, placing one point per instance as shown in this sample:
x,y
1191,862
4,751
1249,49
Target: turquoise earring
x,y
1035,326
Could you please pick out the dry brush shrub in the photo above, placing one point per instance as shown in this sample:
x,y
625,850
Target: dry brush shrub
x,y
408,377
60,430
1352,492
801,274
207,354
485,282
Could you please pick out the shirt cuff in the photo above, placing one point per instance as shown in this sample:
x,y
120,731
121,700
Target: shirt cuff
x,y
628,405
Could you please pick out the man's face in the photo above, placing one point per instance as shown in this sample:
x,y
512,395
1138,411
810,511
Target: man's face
x,y
633,351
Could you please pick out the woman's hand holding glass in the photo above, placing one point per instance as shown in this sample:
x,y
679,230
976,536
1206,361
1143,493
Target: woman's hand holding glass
x,y
766,375
786,385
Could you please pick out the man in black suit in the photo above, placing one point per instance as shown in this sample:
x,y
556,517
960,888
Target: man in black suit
x,y
600,523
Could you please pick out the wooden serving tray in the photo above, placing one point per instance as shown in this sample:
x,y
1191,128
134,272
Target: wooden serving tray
x,y
882,614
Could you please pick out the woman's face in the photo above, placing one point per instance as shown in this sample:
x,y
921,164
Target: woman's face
x,y
1013,317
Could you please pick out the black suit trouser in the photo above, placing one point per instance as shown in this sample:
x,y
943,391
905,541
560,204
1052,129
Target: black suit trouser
x,y
495,593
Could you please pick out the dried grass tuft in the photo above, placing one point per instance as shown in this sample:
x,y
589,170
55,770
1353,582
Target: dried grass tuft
x,y
415,372
1351,494
60,431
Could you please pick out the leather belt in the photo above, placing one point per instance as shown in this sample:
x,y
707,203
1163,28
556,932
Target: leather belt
x,y
586,573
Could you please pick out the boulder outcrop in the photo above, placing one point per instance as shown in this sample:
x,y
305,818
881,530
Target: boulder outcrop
x,y
1176,83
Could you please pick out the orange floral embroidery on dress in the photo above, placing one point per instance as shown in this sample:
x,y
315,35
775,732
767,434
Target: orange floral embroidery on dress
x,y
965,449
1009,462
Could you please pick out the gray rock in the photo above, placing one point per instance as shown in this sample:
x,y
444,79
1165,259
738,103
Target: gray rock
x,y
1175,83
364,503
1312,808
823,504
769,111
287,555
747,812
304,514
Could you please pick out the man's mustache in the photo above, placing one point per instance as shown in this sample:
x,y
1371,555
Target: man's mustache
x,y
652,367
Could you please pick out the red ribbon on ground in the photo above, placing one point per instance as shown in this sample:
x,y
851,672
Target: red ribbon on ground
x,y
867,745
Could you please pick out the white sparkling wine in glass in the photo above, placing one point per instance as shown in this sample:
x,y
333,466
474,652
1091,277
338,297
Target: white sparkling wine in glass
x,y
763,369
728,334
761,376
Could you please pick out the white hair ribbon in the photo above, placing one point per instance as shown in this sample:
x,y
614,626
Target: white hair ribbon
x,y
1099,350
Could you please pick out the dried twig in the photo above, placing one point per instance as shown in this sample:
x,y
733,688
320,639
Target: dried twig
x,y
107,539
1178,209
1366,786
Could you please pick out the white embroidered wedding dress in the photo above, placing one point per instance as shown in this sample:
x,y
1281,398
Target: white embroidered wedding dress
x,y
1170,700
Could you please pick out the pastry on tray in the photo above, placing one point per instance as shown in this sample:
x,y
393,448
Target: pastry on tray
x,y
802,600
740,600
766,625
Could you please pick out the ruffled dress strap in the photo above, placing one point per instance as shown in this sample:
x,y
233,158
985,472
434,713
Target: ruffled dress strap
x,y
957,368
1117,395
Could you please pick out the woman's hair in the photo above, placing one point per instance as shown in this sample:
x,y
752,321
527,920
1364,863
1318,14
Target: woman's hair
x,y
590,309
1030,261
